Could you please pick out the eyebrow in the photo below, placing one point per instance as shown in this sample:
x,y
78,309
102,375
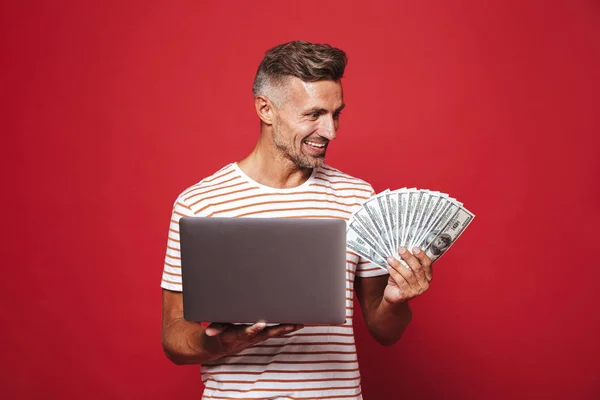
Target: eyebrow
x,y
321,110
339,109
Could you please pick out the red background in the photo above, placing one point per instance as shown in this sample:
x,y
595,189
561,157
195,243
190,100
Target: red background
x,y
110,109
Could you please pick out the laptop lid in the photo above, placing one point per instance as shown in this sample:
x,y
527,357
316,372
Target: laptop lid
x,y
242,270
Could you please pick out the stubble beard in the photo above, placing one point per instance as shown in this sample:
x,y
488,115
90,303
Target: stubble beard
x,y
301,160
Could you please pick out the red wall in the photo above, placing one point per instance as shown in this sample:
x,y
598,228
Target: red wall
x,y
109,110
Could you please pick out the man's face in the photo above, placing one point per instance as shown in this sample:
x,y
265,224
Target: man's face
x,y
307,120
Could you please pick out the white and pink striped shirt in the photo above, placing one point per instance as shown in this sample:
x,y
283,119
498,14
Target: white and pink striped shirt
x,y
316,362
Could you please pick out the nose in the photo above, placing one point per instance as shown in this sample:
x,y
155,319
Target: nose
x,y
328,127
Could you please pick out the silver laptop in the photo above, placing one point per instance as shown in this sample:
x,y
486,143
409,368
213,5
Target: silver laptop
x,y
242,270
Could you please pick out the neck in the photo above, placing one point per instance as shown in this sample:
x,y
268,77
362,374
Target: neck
x,y
267,166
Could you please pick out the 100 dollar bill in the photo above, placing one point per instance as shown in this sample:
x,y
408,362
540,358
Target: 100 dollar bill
x,y
355,243
440,241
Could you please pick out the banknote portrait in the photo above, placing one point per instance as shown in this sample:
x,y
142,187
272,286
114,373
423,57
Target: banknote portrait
x,y
440,244
430,238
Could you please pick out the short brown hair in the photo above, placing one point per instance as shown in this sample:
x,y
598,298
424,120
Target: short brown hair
x,y
309,62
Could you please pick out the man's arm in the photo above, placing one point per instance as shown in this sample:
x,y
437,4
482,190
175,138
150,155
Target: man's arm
x,y
186,342
386,322
384,299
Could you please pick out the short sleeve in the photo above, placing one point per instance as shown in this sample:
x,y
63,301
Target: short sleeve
x,y
171,276
365,268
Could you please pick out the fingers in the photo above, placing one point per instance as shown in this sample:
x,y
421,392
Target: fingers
x,y
249,333
425,263
243,332
400,280
280,330
215,329
261,333
413,262
239,337
254,330
402,274
420,273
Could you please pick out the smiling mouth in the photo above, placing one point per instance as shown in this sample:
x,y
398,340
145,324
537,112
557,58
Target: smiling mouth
x,y
316,145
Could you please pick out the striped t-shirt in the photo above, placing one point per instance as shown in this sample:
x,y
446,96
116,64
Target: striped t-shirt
x,y
316,362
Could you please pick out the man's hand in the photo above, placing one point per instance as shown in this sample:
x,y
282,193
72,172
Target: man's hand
x,y
403,283
186,342
384,299
231,339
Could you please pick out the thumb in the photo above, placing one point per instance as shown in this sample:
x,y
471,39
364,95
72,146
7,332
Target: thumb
x,y
255,329
215,329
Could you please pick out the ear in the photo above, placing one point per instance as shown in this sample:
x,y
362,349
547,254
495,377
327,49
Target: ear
x,y
264,109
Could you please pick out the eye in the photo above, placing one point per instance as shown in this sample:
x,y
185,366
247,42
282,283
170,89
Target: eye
x,y
337,115
314,115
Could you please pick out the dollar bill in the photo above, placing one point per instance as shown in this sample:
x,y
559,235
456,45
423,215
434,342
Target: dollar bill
x,y
423,207
440,205
447,235
392,202
384,208
356,243
438,224
376,214
429,208
356,226
409,229
403,196
362,216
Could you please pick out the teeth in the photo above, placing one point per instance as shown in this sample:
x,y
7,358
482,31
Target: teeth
x,y
320,145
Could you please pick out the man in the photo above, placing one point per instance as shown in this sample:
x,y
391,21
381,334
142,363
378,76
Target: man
x,y
298,98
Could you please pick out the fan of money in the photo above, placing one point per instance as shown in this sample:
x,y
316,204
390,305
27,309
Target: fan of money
x,y
405,217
